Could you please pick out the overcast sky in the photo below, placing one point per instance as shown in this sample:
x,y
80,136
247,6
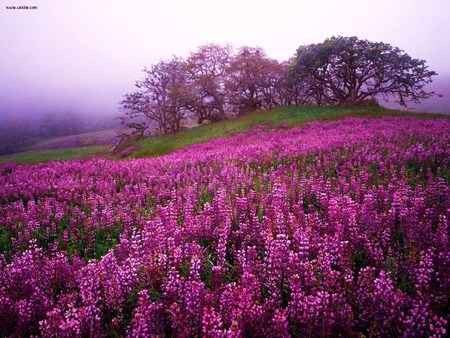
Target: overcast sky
x,y
83,55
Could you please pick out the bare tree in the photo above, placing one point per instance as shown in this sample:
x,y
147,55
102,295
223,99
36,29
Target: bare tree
x,y
254,80
161,98
207,69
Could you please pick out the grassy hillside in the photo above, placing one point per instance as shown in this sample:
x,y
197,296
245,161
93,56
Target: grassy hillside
x,y
284,117
58,155
106,137
61,148
275,118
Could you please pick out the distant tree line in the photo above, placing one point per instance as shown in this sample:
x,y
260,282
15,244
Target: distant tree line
x,y
18,132
217,82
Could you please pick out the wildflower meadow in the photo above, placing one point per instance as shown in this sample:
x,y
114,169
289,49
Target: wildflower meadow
x,y
324,230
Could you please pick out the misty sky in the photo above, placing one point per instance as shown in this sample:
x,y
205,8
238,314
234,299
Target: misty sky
x,y
83,55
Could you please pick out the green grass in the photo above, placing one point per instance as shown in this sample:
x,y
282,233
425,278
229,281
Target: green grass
x,y
160,145
58,155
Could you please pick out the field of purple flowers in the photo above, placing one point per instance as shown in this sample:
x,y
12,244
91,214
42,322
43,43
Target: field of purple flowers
x,y
329,229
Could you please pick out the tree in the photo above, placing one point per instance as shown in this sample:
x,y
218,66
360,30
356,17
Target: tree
x,y
347,71
161,98
254,80
207,69
292,90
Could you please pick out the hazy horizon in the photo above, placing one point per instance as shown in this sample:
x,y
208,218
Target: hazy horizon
x,y
83,56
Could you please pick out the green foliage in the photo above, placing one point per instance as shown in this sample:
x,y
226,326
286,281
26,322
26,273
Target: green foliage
x,y
185,268
79,244
311,201
206,196
359,260
6,242
105,240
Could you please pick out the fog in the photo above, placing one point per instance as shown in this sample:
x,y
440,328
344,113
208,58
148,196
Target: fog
x,y
82,55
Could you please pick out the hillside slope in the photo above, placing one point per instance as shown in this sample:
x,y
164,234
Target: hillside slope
x,y
66,147
97,138
283,117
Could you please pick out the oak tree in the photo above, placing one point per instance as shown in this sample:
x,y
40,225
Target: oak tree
x,y
161,98
254,81
347,71
207,70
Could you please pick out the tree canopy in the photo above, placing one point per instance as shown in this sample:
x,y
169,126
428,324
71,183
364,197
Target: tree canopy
x,y
217,82
347,71
214,83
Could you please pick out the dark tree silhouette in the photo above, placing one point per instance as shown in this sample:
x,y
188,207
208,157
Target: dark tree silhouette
x,y
160,98
207,69
254,80
346,71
